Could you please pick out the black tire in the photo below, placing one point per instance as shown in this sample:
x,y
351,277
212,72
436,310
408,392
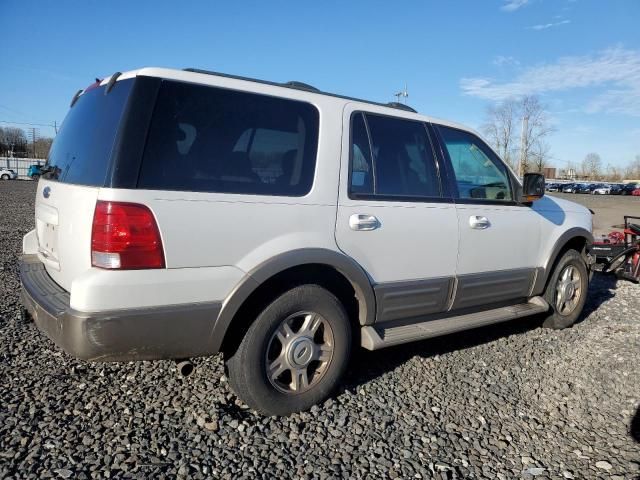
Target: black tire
x,y
557,319
247,366
36,177
5,177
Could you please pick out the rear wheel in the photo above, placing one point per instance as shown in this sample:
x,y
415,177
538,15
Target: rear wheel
x,y
36,177
566,291
5,176
294,354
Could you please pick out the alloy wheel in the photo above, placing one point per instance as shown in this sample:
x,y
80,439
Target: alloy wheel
x,y
568,290
299,352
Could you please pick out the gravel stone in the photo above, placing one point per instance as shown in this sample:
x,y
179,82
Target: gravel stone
x,y
534,471
507,401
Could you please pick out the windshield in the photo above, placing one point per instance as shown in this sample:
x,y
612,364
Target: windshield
x,y
81,151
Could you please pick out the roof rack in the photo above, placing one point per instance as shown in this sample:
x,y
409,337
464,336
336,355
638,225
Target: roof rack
x,y
302,86
401,106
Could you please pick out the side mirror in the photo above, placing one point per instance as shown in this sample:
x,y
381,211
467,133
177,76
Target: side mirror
x,y
532,187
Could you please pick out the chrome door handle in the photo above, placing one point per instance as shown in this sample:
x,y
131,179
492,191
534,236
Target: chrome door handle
x,y
479,223
363,223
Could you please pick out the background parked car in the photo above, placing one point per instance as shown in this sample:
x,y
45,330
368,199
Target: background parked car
x,y
554,187
602,190
616,188
569,188
636,192
8,174
628,188
582,188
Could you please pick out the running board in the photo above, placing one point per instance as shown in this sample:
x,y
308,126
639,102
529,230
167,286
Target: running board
x,y
376,337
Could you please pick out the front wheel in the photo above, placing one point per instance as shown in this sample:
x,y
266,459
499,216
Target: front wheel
x,y
294,354
5,177
566,291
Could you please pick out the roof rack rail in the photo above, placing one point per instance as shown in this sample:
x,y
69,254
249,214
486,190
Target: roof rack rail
x,y
401,106
292,84
236,77
301,86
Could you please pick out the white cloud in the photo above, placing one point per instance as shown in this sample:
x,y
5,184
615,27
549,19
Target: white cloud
x,y
544,26
615,71
619,100
513,5
503,61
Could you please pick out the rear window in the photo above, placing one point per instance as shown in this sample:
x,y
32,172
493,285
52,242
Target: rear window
x,y
207,139
82,148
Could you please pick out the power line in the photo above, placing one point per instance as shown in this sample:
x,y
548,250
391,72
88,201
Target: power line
x,y
52,125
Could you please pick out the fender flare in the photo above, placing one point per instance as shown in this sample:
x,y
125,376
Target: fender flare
x,y
295,258
566,237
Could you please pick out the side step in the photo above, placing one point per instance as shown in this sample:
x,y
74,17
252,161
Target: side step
x,y
376,337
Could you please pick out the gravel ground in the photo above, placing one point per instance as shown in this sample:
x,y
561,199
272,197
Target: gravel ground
x,y
510,401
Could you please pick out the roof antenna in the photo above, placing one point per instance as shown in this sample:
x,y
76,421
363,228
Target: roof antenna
x,y
404,94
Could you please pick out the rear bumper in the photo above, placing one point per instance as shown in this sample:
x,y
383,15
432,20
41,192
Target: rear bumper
x,y
177,331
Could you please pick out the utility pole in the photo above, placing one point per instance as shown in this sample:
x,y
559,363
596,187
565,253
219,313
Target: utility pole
x,y
33,140
524,140
55,126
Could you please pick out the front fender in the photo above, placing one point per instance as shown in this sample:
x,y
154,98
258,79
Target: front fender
x,y
561,242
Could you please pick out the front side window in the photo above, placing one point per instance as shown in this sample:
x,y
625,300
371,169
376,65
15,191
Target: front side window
x,y
391,157
208,139
480,174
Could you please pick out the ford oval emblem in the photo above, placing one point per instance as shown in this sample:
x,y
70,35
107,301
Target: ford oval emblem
x,y
46,192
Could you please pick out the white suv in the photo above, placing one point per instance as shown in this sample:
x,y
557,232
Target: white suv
x,y
185,213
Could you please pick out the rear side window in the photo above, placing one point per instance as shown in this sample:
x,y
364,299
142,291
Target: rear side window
x,y
82,149
207,139
480,174
391,157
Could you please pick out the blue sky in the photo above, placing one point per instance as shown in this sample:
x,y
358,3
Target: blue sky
x,y
582,57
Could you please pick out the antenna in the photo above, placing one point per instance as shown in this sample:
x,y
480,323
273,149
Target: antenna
x,y
404,94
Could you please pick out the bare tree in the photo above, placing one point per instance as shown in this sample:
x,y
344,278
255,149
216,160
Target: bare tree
x,y
535,129
500,129
42,147
613,173
539,157
502,125
14,140
592,165
632,171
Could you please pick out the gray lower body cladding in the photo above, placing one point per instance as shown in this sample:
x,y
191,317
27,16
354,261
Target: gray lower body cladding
x,y
416,298
492,287
176,331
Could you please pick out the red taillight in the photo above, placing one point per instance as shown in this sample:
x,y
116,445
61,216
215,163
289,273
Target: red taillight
x,y
125,236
